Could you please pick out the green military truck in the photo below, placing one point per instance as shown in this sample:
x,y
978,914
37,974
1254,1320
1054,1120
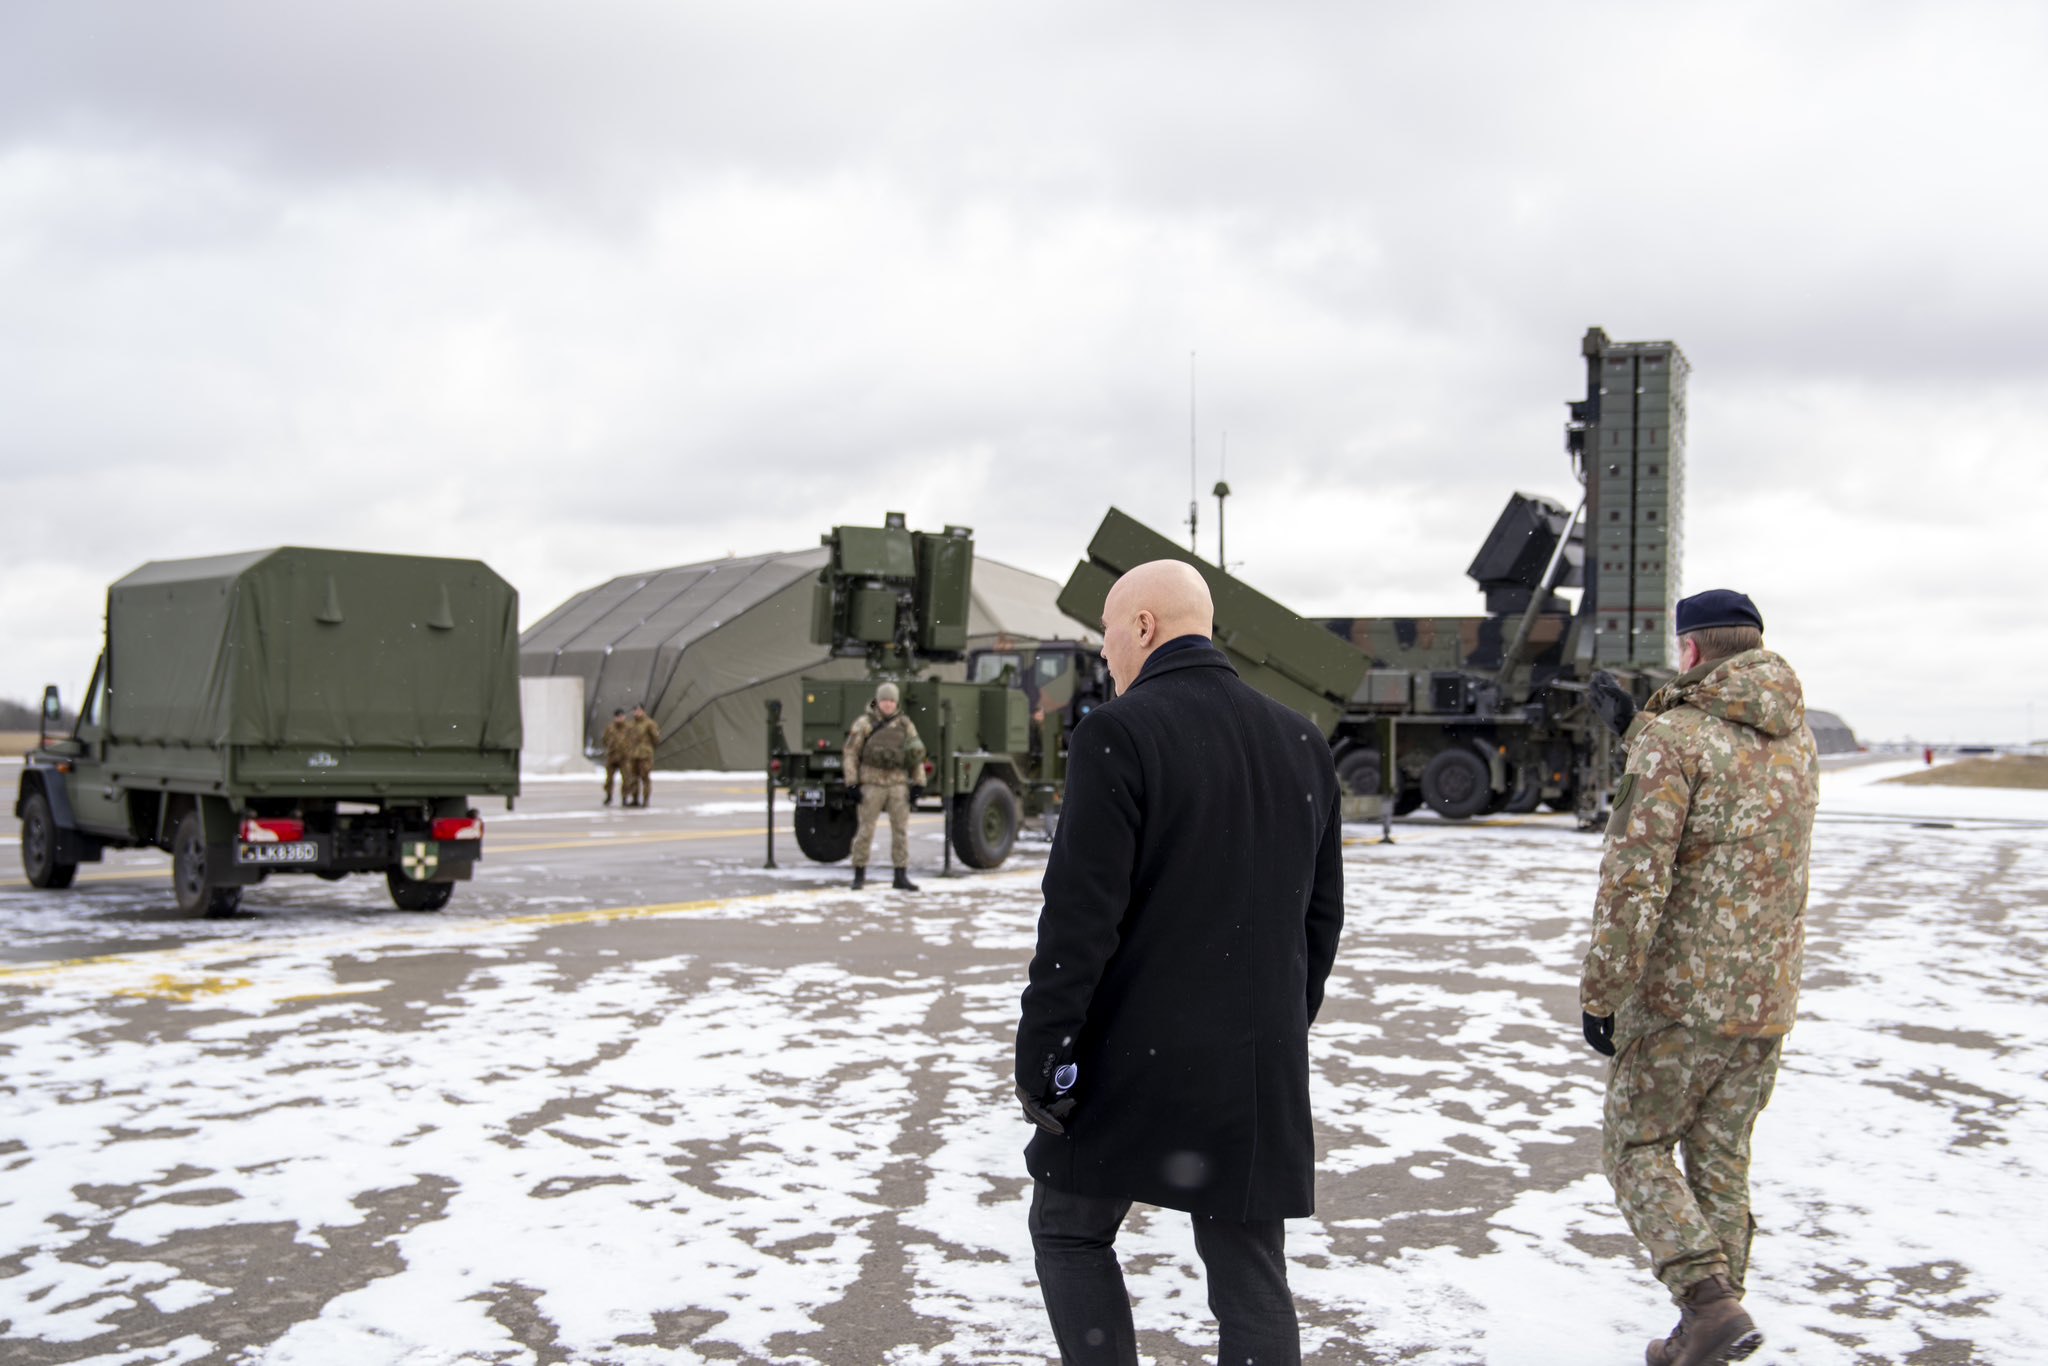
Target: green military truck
x,y
286,711
996,741
1467,715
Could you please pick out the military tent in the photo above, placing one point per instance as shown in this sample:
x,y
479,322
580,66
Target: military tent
x,y
704,646
1831,734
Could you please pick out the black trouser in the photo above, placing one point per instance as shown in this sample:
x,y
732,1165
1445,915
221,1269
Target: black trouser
x,y
1074,1237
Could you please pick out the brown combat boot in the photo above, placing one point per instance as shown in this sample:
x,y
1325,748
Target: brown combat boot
x,y
1713,1328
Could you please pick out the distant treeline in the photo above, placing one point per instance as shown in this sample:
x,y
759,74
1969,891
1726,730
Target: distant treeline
x,y
22,716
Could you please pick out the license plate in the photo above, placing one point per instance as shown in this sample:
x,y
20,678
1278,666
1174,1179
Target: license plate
x,y
810,796
294,851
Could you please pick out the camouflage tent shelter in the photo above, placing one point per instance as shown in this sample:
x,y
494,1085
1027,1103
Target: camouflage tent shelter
x,y
704,646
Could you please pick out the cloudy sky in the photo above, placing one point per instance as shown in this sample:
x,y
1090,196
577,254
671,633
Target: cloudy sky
x,y
587,289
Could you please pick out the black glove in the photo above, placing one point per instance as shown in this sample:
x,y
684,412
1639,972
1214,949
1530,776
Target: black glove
x,y
917,792
1046,1112
1613,702
1599,1033
853,793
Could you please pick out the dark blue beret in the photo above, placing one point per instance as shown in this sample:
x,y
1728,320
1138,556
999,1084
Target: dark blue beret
x,y
1716,607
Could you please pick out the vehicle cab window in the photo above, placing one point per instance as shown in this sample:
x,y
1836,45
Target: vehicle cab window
x,y
989,668
92,712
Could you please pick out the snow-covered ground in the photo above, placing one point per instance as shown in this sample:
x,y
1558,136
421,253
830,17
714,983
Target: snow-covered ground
x,y
777,1129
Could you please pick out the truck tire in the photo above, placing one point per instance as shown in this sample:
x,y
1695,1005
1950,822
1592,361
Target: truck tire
x,y
39,859
1358,772
1456,784
408,895
824,834
195,890
985,824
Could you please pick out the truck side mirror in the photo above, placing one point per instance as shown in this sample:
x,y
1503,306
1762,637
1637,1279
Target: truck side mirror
x,y
53,713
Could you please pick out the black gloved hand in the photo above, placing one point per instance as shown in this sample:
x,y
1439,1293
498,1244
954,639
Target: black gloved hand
x,y
917,792
1599,1033
853,793
1611,701
1046,1112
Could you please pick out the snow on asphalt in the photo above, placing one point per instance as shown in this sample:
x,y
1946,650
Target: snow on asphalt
x,y
675,1156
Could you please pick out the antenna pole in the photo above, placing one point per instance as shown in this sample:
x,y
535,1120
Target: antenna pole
x,y
1193,506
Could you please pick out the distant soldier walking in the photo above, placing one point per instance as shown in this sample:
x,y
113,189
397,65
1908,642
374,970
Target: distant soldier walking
x,y
884,761
642,736
1693,976
616,742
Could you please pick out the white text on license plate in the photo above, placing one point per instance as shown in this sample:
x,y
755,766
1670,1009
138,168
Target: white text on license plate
x,y
292,851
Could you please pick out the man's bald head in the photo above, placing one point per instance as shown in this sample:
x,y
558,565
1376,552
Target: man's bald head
x,y
1156,602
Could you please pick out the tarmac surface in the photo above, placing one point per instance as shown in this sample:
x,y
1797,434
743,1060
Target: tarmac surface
x,y
634,1097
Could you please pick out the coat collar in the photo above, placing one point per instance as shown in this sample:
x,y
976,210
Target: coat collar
x,y
1184,652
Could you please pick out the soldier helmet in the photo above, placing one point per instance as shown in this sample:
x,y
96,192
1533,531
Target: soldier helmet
x,y
1716,607
888,692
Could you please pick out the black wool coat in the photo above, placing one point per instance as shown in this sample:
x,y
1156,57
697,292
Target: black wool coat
x,y
1192,905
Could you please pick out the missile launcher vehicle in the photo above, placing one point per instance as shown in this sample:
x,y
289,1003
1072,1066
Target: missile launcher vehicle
x,y
1482,714
286,711
996,741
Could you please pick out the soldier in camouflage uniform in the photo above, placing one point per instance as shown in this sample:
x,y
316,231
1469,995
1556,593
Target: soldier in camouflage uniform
x,y
615,745
642,735
885,764
1693,975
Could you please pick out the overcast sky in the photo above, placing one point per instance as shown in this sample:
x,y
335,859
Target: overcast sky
x,y
582,290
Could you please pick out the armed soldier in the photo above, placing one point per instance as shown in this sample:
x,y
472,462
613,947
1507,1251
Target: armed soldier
x,y
616,745
884,764
642,736
1693,976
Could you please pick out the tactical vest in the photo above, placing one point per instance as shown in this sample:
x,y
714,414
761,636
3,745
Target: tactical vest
x,y
888,746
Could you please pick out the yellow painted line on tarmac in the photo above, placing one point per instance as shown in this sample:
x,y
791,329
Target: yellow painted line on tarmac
x,y
164,987
167,987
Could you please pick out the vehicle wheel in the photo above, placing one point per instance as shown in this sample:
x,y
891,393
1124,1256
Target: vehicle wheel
x,y
825,834
985,824
195,890
39,846
408,895
1527,794
1566,800
1456,784
1358,772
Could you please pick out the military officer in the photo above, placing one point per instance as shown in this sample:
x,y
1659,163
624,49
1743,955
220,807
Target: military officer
x,y
615,745
642,736
884,763
1693,975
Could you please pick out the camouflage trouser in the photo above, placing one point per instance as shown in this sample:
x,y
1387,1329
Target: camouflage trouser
x,y
611,771
874,797
1701,1091
639,785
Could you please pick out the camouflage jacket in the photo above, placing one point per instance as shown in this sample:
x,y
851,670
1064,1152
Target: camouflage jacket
x,y
642,735
872,744
1700,915
615,740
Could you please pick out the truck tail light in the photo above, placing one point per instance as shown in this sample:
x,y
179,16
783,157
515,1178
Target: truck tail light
x,y
458,828
273,831
775,765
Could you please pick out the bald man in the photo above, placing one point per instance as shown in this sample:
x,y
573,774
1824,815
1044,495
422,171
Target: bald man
x,y
1192,905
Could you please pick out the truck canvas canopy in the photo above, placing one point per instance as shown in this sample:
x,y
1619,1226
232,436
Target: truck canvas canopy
x,y
303,648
